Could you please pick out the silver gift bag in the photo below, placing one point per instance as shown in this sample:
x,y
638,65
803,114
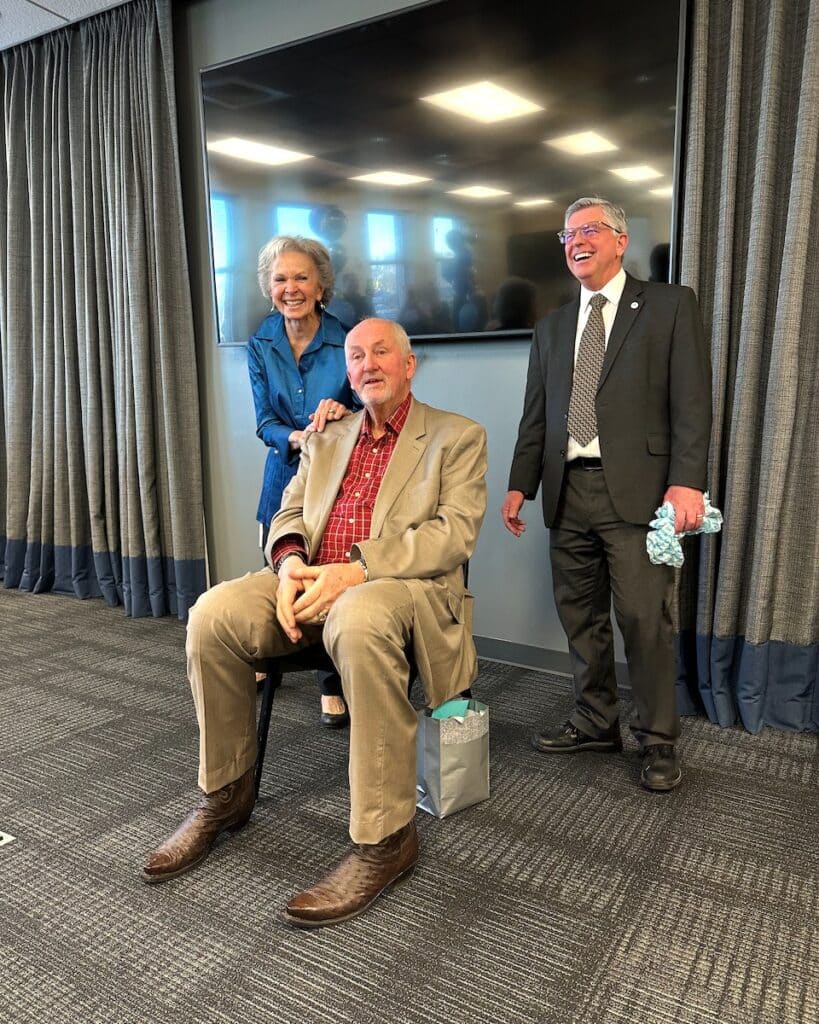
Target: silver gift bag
x,y
452,763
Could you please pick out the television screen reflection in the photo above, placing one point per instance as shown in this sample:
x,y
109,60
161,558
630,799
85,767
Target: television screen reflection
x,y
434,151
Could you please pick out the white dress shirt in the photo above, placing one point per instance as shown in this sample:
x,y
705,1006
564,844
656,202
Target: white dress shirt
x,y
613,292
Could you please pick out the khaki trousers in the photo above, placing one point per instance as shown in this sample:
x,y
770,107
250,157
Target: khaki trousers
x,y
233,626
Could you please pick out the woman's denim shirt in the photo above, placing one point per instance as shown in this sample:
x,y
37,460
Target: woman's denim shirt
x,y
285,393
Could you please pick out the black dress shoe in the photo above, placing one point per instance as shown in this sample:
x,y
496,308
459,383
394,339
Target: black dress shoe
x,y
661,768
567,739
334,721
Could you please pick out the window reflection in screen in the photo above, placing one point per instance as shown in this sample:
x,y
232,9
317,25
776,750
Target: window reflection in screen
x,y
294,220
220,218
386,272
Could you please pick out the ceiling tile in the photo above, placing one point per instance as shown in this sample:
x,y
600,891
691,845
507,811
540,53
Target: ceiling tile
x,y
76,10
21,20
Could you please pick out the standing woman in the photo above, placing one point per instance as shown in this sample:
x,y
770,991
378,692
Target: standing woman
x,y
299,379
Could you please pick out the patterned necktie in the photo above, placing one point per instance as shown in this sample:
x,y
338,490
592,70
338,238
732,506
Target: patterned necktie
x,y
582,417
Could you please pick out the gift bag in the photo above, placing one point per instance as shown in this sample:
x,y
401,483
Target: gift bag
x,y
452,762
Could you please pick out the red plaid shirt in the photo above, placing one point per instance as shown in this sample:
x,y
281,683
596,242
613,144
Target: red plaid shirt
x,y
352,512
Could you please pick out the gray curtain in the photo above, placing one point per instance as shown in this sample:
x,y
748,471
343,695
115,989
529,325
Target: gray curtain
x,y
100,462
750,597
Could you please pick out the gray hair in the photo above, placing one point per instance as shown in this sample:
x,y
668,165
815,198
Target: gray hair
x,y
400,336
615,215
307,247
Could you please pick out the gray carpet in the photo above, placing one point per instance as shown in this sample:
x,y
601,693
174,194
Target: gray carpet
x,y
571,897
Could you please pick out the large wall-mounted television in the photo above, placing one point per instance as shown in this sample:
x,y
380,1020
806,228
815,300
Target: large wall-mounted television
x,y
398,143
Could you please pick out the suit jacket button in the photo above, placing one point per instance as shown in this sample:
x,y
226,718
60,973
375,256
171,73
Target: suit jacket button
x,y
562,451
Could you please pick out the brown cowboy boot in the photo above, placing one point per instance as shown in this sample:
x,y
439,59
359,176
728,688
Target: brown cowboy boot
x,y
357,882
225,810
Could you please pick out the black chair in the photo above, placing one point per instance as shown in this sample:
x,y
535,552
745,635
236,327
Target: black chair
x,y
306,660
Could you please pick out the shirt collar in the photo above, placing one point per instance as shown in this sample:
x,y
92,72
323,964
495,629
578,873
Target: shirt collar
x,y
394,424
273,329
612,290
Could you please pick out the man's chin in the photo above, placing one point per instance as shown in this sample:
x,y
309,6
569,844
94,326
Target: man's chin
x,y
374,395
581,271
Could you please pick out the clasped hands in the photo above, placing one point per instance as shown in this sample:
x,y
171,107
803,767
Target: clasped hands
x,y
326,411
307,592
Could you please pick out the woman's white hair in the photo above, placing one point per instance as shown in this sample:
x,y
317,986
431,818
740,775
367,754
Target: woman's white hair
x,y
307,247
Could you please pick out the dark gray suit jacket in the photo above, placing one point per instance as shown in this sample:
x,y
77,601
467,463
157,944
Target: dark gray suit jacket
x,y
653,401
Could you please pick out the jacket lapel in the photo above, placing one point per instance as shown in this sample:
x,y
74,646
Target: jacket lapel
x,y
408,450
331,465
560,372
630,305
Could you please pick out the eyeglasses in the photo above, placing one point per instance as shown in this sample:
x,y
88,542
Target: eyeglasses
x,y
590,230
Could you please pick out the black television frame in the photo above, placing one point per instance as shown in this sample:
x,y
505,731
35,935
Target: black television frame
x,y
678,157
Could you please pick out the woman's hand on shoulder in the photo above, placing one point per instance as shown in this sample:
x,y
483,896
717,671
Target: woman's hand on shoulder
x,y
328,410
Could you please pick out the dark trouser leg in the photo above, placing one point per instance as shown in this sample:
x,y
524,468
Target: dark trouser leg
x,y
588,531
642,604
329,684
580,578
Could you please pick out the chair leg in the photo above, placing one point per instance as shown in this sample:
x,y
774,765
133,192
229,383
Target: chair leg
x,y
271,684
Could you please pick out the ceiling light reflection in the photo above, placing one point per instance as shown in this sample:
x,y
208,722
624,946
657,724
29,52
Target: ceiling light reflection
x,y
393,178
638,172
478,192
257,152
483,101
582,143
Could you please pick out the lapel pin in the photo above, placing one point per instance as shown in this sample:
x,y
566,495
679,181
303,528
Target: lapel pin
x,y
635,305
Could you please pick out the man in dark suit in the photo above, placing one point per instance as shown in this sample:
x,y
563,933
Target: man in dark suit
x,y
616,420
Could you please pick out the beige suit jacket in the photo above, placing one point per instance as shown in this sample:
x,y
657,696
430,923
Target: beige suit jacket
x,y
425,523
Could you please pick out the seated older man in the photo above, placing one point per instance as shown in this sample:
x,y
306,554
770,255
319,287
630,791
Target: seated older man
x,y
366,558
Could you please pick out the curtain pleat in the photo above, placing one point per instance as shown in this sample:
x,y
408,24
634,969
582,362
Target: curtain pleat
x,y
100,478
749,602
